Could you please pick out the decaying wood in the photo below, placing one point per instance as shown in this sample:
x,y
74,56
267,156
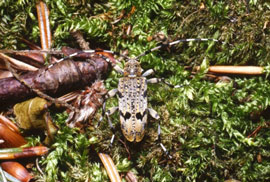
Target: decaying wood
x,y
61,78
37,91
88,100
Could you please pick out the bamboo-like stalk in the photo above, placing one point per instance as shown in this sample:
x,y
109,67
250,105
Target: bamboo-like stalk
x,y
11,150
245,70
16,170
11,178
15,153
10,137
44,26
110,167
9,123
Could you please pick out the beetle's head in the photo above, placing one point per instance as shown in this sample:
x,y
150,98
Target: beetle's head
x,y
132,69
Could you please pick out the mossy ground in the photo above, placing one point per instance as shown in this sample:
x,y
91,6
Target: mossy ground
x,y
205,124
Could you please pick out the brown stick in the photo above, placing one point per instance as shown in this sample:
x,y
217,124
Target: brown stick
x,y
59,79
255,132
36,91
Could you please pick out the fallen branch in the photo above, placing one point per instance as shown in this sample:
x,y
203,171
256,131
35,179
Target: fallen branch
x,y
59,79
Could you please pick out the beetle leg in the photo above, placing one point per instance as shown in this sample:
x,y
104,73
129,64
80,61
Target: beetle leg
x,y
162,80
160,143
111,93
159,80
155,115
108,113
118,69
148,73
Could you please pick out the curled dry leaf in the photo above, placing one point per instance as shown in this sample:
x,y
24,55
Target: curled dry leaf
x,y
29,114
33,114
17,170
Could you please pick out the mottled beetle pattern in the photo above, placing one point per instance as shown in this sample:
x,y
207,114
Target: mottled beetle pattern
x,y
132,97
132,93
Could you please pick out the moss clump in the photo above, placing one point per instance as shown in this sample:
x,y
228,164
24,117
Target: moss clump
x,y
205,125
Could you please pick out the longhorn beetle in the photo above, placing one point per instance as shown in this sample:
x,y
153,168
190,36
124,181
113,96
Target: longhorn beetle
x,y
132,93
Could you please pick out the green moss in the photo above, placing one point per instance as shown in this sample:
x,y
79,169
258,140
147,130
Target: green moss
x,y
205,125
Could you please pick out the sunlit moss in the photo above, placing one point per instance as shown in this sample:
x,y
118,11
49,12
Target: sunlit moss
x,y
205,125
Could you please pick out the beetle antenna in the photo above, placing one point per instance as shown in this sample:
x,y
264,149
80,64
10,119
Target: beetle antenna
x,y
90,51
176,42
